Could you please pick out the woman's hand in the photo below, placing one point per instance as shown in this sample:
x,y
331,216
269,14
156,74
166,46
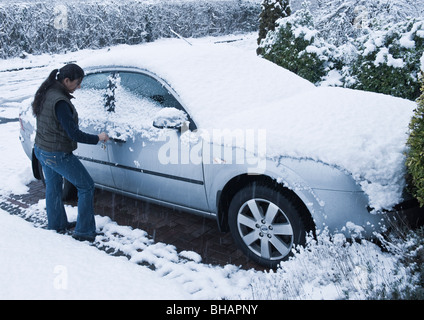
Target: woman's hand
x,y
103,136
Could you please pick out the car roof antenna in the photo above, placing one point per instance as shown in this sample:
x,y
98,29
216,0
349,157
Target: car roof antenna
x,y
179,36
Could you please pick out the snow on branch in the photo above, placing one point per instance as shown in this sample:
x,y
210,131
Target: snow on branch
x,y
47,27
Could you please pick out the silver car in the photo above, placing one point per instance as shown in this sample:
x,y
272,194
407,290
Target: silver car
x,y
160,153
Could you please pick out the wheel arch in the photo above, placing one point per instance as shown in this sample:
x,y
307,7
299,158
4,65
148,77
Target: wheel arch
x,y
225,196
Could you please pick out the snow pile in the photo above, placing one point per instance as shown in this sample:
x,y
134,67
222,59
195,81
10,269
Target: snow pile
x,y
223,87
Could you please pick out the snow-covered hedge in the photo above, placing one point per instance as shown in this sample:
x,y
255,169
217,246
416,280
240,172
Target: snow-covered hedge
x,y
388,61
48,26
293,45
384,60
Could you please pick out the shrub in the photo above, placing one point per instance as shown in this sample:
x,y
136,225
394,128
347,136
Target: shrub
x,y
384,61
294,46
415,155
272,10
389,61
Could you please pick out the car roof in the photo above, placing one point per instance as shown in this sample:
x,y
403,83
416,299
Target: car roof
x,y
210,79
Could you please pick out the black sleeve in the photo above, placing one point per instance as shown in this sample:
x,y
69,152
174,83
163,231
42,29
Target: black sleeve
x,y
64,115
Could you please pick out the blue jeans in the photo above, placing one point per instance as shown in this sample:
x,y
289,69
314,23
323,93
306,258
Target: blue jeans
x,y
55,166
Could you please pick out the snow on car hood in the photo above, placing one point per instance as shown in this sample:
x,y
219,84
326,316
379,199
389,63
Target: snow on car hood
x,y
223,87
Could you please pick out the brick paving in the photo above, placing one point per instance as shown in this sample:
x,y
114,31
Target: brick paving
x,y
183,230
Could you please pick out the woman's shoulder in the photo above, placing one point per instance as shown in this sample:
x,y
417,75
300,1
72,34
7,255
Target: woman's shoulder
x,y
57,93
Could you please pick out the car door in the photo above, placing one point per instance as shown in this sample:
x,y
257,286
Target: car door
x,y
149,159
90,104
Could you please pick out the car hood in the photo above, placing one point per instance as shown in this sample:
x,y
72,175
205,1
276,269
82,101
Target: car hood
x,y
225,88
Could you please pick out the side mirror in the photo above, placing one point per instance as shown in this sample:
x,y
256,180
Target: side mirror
x,y
170,118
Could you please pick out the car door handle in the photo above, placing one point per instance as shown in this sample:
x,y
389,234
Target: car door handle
x,y
117,140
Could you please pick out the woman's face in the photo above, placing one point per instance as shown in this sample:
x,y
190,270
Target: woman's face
x,y
71,86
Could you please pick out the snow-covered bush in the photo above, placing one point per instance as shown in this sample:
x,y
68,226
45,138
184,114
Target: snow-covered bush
x,y
272,10
340,21
347,270
415,156
294,45
358,54
389,60
46,26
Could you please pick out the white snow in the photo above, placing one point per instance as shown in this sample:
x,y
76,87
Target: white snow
x,y
40,264
422,62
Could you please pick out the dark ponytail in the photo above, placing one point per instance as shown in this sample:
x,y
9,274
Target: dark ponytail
x,y
71,71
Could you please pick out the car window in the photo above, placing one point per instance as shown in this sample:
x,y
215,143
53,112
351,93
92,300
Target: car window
x,y
90,100
96,81
146,86
122,103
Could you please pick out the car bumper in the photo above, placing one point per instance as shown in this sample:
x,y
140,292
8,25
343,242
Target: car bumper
x,y
348,213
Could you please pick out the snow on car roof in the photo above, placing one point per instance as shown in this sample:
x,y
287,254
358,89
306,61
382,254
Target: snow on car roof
x,y
213,81
223,87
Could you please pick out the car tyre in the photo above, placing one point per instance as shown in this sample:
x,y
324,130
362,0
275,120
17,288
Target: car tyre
x,y
266,224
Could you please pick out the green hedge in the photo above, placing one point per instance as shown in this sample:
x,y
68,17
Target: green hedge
x,y
389,60
415,155
291,44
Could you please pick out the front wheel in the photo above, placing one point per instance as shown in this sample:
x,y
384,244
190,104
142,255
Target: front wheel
x,y
266,224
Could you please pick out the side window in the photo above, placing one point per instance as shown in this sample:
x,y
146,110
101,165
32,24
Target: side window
x,y
124,104
146,86
96,81
90,100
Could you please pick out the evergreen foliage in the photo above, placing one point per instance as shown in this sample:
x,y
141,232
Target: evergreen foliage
x,y
385,59
389,60
415,155
294,46
271,11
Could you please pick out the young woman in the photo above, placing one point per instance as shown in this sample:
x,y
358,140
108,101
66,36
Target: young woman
x,y
56,138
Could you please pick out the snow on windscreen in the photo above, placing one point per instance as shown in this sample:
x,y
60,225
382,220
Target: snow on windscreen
x,y
106,105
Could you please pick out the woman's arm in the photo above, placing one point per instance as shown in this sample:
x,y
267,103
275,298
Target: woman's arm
x,y
64,115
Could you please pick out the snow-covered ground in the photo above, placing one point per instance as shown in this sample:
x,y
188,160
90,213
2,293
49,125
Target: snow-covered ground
x,y
40,264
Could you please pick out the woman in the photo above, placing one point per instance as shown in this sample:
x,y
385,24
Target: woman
x,y
56,138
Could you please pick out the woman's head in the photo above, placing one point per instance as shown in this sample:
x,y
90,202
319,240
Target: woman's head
x,y
70,71
70,76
